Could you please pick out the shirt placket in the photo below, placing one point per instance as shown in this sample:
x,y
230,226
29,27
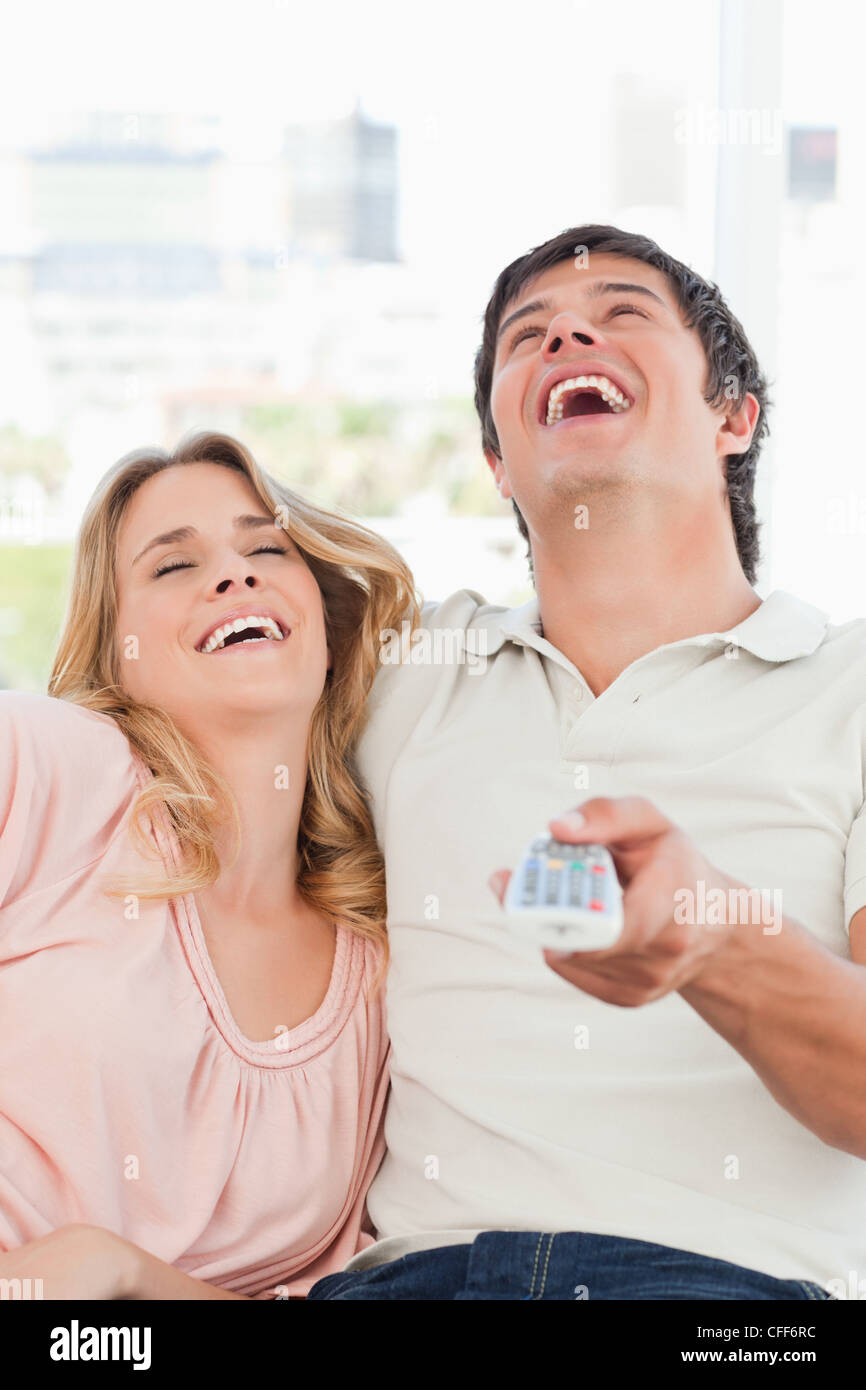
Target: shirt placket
x,y
593,729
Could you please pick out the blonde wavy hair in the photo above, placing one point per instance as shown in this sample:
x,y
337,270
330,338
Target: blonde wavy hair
x,y
366,587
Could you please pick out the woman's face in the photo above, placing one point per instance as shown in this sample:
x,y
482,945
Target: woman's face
x,y
223,563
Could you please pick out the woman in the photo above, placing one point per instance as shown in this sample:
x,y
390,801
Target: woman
x,y
195,1061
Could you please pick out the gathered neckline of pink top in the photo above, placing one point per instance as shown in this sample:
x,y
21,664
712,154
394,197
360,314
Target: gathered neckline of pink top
x,y
296,1045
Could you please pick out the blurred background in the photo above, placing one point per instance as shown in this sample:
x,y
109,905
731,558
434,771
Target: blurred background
x,y
284,222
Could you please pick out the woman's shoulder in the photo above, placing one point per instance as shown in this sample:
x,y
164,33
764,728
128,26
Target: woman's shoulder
x,y
31,705
367,957
43,725
67,777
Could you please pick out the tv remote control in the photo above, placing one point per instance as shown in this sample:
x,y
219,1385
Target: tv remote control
x,y
565,897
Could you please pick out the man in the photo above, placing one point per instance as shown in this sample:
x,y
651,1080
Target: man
x,y
682,1115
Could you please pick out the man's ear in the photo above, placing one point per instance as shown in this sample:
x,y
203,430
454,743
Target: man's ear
x,y
497,468
737,428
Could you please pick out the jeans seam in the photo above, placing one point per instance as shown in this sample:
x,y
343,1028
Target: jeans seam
x,y
546,1264
531,1293
811,1290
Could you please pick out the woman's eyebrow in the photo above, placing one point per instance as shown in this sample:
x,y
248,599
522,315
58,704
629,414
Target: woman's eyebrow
x,y
246,522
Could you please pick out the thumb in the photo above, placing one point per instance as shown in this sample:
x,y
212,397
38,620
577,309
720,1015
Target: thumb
x,y
629,826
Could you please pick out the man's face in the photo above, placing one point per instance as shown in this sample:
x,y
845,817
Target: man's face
x,y
572,322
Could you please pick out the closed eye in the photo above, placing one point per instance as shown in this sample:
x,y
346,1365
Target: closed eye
x,y
186,564
525,333
627,309
530,328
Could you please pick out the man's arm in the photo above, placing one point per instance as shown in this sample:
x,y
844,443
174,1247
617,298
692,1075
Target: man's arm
x,y
797,1013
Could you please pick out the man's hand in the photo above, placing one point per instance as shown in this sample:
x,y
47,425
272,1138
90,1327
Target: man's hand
x,y
654,860
75,1261
789,1005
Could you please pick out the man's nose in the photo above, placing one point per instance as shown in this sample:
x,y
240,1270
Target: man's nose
x,y
563,330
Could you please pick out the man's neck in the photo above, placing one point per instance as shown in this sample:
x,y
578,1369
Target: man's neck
x,y
605,608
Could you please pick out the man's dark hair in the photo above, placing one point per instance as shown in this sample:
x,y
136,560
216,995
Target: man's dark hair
x,y
728,352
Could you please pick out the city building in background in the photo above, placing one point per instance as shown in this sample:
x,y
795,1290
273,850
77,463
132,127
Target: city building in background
x,y
342,189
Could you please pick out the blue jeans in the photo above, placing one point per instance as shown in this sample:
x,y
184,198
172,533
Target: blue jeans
x,y
536,1265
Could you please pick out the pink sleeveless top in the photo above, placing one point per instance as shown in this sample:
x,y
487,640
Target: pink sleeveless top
x,y
129,1098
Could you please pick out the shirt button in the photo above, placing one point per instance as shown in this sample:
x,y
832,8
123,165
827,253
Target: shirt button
x,y
577,694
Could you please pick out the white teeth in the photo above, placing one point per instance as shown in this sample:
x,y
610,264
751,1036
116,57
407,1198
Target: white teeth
x,y
602,384
218,637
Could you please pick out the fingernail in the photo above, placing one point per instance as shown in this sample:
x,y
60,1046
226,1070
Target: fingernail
x,y
573,819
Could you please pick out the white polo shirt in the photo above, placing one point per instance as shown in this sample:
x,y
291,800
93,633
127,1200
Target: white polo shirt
x,y
520,1102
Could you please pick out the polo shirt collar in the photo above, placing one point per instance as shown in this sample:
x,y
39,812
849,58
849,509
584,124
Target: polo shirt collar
x,y
781,628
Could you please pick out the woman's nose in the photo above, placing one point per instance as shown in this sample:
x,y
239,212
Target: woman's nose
x,y
236,572
224,583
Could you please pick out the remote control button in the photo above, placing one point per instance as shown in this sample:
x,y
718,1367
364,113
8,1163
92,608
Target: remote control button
x,y
582,889
552,888
531,880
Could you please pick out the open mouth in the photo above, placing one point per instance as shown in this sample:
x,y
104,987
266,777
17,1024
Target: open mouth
x,y
584,395
244,632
